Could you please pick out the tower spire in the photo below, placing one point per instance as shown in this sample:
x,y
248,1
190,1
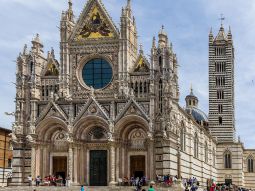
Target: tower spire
x,y
70,10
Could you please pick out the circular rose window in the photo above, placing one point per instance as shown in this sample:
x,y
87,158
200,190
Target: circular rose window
x,y
97,73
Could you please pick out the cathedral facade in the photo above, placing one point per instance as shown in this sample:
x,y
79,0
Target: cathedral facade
x,y
104,111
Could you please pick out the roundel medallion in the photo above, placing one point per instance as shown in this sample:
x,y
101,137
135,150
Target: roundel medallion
x,y
97,73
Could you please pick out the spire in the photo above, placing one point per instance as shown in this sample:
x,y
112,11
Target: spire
x,y
154,42
162,35
191,90
141,49
70,10
37,46
128,9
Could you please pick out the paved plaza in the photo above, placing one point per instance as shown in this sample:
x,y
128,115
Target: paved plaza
x,y
77,188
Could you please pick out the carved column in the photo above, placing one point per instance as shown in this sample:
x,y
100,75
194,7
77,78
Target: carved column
x,y
33,159
75,165
70,162
112,164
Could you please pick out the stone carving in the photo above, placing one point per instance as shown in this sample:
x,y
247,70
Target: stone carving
x,y
13,137
30,139
110,137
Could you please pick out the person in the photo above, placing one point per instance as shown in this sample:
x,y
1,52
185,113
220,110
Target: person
x,y
30,180
68,181
37,180
186,188
151,188
82,188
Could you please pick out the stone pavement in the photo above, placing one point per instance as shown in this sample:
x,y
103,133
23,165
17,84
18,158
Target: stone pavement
x,y
103,188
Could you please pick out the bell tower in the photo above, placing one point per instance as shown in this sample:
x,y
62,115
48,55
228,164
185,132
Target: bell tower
x,y
221,86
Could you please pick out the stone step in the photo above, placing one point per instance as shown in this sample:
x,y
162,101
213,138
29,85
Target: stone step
x,y
77,188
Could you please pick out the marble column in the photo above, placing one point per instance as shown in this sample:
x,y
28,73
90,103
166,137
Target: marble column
x,y
112,165
70,163
75,165
151,158
33,159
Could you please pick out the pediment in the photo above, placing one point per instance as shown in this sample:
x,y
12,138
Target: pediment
x,y
142,65
132,108
52,110
92,107
51,69
94,23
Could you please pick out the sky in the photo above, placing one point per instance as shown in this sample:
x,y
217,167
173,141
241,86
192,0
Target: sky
x,y
187,23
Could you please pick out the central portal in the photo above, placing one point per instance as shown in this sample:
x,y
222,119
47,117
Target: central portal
x,y
60,167
137,166
98,168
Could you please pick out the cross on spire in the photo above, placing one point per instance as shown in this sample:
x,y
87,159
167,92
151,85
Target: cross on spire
x,y
222,18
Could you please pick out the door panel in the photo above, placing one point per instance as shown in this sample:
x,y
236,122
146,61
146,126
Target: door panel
x,y
98,168
137,166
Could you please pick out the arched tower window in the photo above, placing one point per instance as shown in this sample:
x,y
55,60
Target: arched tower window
x,y
195,145
31,68
250,164
160,63
227,160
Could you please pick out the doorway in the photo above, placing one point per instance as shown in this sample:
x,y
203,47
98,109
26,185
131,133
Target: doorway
x,y
137,166
60,167
98,168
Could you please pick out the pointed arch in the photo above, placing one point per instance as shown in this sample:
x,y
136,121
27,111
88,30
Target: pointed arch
x,y
195,145
228,159
183,138
250,164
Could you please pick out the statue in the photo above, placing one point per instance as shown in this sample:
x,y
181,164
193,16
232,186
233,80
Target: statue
x,y
92,91
30,139
110,137
32,129
13,137
69,138
111,126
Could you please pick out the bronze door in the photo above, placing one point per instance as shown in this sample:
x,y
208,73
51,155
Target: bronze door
x,y
98,168
137,166
60,166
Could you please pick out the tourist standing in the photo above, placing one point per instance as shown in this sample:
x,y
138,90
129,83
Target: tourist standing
x,y
82,188
37,181
68,181
30,180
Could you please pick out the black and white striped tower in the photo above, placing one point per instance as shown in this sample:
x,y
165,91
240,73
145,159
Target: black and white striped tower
x,y
221,86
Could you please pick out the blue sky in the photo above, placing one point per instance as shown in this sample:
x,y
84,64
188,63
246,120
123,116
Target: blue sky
x,y
187,22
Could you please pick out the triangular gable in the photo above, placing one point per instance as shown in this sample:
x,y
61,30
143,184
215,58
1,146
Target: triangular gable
x,y
92,107
142,64
51,69
132,108
94,23
52,110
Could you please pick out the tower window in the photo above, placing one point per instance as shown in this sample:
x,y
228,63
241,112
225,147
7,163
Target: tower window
x,y
250,165
220,120
31,67
220,108
227,161
160,63
220,67
220,51
220,94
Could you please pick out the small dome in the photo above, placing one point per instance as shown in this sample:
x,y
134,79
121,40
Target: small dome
x,y
192,109
197,114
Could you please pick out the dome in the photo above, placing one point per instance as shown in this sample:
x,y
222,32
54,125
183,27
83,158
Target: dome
x,y
197,114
